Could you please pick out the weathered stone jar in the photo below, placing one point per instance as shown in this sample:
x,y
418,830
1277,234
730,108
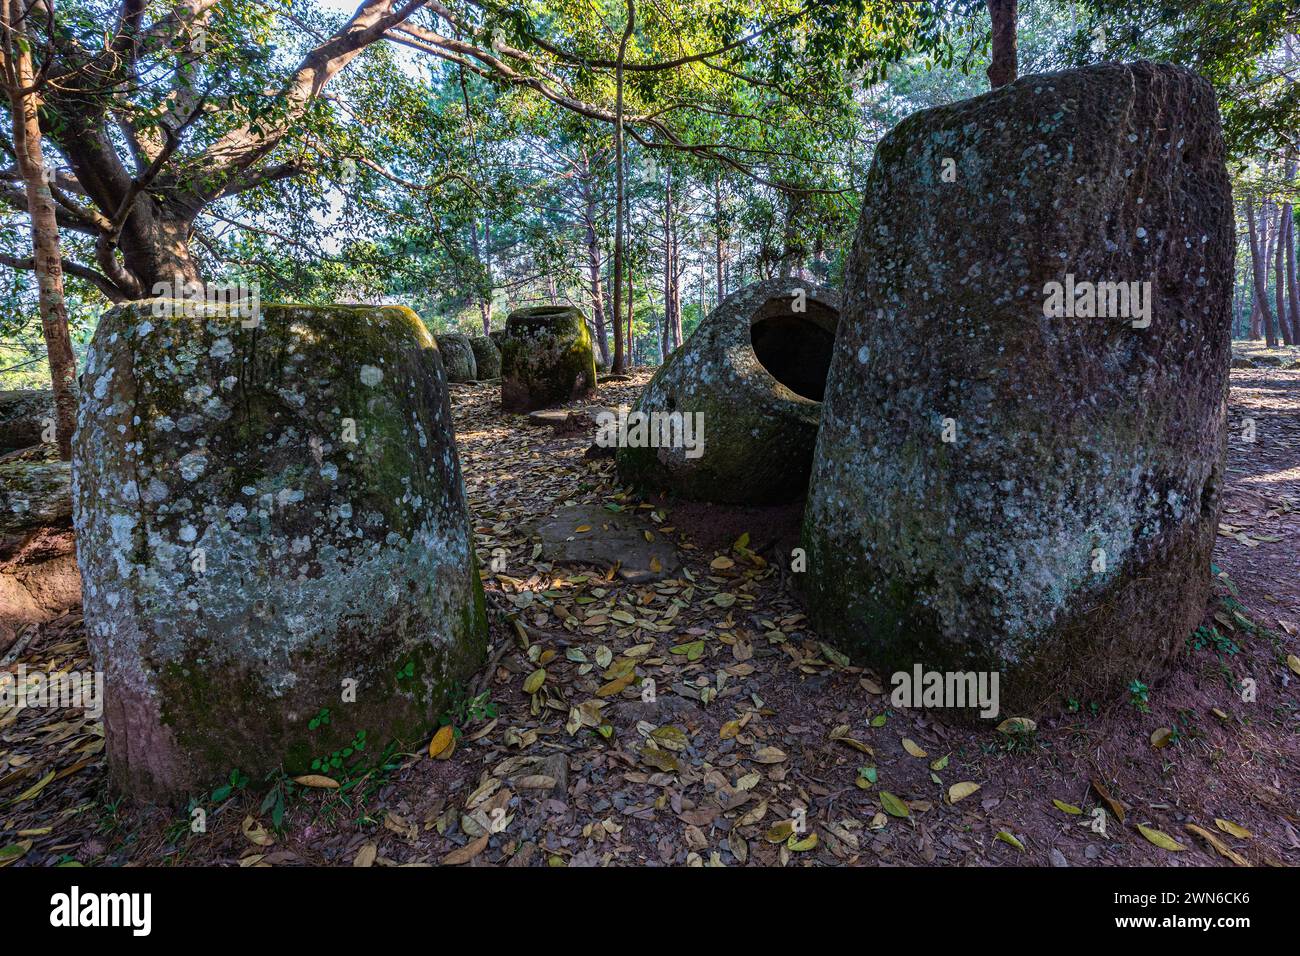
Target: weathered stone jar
x,y
487,357
276,550
459,359
546,358
751,377
1019,463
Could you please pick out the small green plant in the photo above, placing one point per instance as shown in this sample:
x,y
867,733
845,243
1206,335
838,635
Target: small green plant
x,y
1185,727
281,791
110,819
463,710
237,781
322,719
1207,636
407,672
337,759
1139,695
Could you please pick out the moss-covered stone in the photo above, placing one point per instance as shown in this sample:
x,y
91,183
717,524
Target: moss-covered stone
x,y
35,492
754,371
266,515
458,357
546,358
487,357
997,488
38,569
24,414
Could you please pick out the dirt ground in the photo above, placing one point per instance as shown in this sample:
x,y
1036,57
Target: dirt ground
x,y
760,746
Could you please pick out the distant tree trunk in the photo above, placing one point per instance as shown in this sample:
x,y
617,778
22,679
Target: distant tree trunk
x,y
24,106
1293,289
669,271
1002,66
717,236
1288,317
485,306
1258,258
484,301
620,189
631,341
677,289
1279,274
789,236
593,262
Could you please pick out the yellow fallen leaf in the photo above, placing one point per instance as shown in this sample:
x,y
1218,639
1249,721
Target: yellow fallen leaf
x,y
1010,840
366,855
1293,662
754,815
799,846
13,851
467,852
255,832
729,729
858,745
721,563
442,740
317,781
534,781
35,788
1017,725
780,832
1162,840
1115,806
1223,849
1066,807
769,755
1160,737
893,805
1235,829
582,528
534,681
660,759
959,791
616,686
911,747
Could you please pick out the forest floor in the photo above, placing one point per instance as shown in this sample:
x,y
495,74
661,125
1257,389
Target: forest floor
x,y
754,723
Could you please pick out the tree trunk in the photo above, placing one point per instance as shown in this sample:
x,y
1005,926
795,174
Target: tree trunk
x,y
1287,318
717,237
1002,66
593,263
1258,257
1279,274
620,187
668,265
24,109
789,235
631,341
1293,291
486,306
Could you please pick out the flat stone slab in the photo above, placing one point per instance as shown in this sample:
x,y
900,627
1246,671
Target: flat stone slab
x,y
569,419
607,538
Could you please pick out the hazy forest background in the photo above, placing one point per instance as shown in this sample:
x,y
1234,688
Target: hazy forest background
x,y
466,164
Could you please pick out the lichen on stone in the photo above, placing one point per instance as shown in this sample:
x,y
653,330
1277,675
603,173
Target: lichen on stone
x,y
1060,531
264,513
